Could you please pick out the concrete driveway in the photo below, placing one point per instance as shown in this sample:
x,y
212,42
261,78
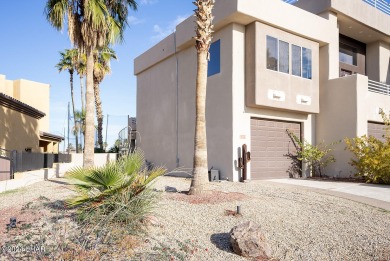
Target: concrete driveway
x,y
375,195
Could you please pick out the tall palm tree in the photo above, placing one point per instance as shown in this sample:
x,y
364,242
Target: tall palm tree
x,y
100,70
68,62
79,126
91,24
81,68
204,30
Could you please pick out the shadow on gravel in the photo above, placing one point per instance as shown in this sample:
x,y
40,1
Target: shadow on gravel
x,y
222,241
59,182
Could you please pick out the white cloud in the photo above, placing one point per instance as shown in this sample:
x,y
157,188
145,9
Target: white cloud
x,y
148,2
134,20
162,32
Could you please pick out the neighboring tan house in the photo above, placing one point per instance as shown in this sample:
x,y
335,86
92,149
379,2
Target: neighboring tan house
x,y
320,68
24,117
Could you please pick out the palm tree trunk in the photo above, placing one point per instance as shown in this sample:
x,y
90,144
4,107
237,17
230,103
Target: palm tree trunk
x,y
99,113
204,29
200,178
74,118
82,93
88,161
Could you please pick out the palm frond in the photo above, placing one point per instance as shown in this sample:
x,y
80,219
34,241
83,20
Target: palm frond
x,y
56,11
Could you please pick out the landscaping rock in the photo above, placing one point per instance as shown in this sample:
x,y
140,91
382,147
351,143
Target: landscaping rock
x,y
248,240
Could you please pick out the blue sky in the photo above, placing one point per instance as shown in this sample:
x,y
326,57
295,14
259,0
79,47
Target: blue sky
x,y
29,49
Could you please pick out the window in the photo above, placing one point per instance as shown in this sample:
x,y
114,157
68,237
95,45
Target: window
x,y
272,53
306,63
347,54
296,60
284,57
344,73
214,65
278,58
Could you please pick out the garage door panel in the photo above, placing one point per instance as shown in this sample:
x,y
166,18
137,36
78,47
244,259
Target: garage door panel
x,y
269,146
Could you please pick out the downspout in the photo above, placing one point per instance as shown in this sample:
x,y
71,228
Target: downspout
x,y
177,103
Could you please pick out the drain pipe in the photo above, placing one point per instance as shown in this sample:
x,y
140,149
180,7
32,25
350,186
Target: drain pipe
x,y
177,103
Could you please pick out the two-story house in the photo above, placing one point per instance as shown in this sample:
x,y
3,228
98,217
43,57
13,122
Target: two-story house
x,y
318,68
24,117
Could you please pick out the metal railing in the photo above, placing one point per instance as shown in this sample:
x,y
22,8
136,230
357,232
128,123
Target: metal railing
x,y
378,87
381,5
290,1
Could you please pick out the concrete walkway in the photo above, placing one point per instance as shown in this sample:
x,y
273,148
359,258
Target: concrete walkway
x,y
375,195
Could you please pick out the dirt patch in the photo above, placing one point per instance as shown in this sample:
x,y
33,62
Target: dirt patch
x,y
25,217
213,197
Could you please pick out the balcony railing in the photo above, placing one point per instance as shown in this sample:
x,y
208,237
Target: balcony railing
x,y
381,5
378,87
290,1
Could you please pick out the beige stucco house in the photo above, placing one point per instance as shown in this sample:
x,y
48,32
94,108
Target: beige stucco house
x,y
24,117
319,68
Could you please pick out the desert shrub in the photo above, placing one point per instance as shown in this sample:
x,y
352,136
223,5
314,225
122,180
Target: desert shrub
x,y
117,194
371,155
316,156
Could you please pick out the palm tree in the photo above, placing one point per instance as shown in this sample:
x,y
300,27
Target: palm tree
x,y
100,70
68,62
81,68
91,24
203,38
79,127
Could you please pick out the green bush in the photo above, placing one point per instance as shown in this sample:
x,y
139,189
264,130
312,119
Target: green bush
x,y
316,156
372,156
115,194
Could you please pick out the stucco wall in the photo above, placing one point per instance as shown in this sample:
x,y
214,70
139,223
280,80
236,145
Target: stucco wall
x,y
358,9
36,95
156,113
263,83
343,114
156,110
378,62
18,131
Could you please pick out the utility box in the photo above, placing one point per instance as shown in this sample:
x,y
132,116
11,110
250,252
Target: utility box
x,y
214,175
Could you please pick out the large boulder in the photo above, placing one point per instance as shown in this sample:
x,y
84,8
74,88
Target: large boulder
x,y
248,240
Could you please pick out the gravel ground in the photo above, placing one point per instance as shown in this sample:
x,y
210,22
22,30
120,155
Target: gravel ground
x,y
56,189
298,223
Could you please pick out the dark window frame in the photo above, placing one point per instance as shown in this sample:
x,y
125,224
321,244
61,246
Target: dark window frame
x,y
214,64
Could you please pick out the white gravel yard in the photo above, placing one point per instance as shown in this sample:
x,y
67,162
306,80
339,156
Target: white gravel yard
x,y
299,224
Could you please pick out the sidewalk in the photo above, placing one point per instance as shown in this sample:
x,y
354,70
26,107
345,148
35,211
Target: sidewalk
x,y
375,195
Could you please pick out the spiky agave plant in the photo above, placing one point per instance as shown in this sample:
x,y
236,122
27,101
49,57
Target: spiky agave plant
x,y
116,192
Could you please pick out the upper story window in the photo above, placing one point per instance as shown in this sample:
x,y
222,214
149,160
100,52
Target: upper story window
x,y
352,56
278,58
296,64
284,57
214,65
347,54
306,63
272,53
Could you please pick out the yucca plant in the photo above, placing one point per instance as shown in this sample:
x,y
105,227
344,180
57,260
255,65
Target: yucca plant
x,y
118,192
